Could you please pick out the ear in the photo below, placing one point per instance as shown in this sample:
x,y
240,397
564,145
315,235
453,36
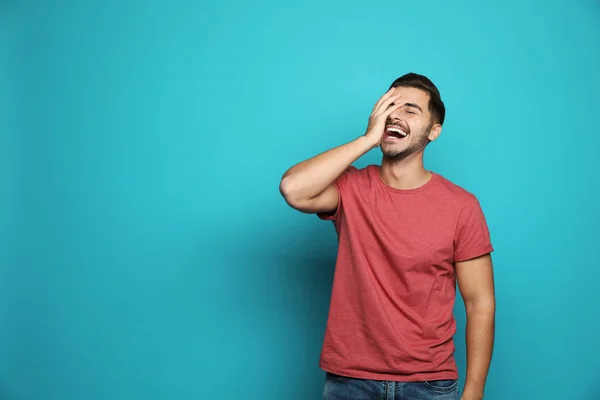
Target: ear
x,y
434,132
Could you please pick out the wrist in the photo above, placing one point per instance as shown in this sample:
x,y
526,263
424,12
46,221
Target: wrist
x,y
368,141
472,393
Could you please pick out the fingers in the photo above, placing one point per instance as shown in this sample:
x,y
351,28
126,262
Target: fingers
x,y
383,107
383,98
391,109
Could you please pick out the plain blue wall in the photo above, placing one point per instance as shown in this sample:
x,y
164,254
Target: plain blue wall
x,y
146,251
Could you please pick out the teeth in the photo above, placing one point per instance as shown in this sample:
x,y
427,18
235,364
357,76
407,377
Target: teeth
x,y
398,131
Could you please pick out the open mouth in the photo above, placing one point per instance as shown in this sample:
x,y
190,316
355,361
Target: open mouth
x,y
395,132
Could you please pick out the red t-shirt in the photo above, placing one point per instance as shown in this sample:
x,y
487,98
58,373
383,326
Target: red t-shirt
x,y
394,285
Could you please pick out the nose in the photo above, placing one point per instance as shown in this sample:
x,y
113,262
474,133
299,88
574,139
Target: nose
x,y
395,117
396,114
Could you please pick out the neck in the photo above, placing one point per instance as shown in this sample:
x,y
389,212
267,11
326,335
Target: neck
x,y
409,173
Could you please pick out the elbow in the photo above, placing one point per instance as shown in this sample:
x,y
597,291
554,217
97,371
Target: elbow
x,y
284,186
289,193
481,305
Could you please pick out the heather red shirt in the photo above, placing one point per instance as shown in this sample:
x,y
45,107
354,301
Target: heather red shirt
x,y
394,286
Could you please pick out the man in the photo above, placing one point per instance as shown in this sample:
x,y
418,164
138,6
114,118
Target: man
x,y
406,237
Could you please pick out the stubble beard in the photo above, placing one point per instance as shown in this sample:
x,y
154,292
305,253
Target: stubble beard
x,y
400,155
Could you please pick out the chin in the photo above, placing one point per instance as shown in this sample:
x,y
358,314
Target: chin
x,y
393,151
397,153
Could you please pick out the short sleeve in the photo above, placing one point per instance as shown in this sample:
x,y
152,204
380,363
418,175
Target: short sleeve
x,y
472,237
341,184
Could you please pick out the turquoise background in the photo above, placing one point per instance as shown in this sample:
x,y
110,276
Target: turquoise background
x,y
146,252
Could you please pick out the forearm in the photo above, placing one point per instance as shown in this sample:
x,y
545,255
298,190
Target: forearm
x,y
480,342
309,178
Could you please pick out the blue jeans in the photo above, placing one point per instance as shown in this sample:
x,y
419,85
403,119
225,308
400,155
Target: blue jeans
x,y
339,387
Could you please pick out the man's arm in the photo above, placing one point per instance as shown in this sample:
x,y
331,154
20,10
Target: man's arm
x,y
476,284
308,186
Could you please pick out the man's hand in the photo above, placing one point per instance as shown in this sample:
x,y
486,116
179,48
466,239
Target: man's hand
x,y
381,111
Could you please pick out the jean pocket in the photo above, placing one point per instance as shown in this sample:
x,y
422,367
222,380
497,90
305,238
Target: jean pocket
x,y
444,385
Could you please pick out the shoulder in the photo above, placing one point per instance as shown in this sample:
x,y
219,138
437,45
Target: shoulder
x,y
355,179
456,193
359,174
